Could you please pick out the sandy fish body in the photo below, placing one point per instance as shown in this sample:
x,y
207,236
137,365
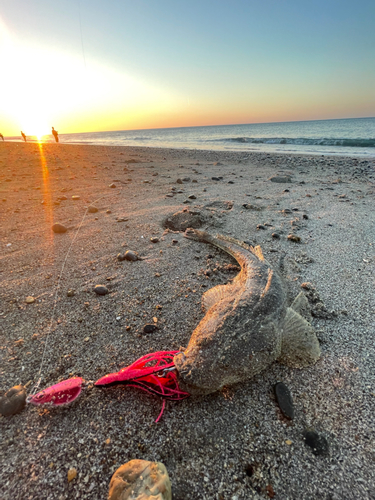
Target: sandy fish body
x,y
242,331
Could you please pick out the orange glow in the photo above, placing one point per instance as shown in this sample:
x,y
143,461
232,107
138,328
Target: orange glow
x,y
47,198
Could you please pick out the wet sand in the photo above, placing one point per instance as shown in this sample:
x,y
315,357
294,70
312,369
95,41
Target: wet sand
x,y
234,444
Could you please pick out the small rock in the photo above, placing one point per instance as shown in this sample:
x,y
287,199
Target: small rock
x,y
215,178
130,255
186,179
249,206
140,479
294,237
70,293
113,185
260,226
284,400
276,236
72,474
92,209
149,328
154,239
101,290
280,178
174,242
286,211
30,300
76,197
59,228
120,257
305,216
179,181
317,442
13,401
108,211
192,197
230,182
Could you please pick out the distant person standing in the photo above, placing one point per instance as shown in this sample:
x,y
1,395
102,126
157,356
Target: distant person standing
x,y
55,134
23,136
1,135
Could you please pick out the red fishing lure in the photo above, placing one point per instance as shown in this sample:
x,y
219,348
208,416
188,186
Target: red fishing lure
x,y
63,393
159,378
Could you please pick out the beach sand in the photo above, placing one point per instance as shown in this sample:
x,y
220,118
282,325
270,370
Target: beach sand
x,y
234,444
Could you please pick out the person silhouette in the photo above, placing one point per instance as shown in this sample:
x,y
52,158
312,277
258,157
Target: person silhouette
x,y
55,134
23,136
1,136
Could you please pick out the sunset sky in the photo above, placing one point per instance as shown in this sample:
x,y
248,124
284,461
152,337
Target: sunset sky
x,y
94,65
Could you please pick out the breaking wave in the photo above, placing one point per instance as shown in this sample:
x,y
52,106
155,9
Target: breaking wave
x,y
301,141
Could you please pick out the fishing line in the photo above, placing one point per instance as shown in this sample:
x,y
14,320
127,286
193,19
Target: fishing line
x,y
37,384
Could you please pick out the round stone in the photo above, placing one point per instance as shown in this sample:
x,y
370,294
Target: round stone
x,y
154,239
294,237
317,442
149,328
30,300
70,293
101,290
130,255
13,401
59,228
92,209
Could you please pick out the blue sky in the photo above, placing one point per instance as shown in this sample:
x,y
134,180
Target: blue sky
x,y
93,65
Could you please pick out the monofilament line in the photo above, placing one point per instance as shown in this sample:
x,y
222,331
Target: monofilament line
x,y
37,384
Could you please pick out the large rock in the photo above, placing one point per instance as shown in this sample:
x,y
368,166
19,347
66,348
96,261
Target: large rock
x,y
140,480
13,401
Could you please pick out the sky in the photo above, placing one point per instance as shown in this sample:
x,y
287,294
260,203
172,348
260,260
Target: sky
x,y
90,65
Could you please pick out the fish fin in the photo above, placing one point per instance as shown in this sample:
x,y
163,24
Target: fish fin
x,y
299,345
258,252
301,305
214,295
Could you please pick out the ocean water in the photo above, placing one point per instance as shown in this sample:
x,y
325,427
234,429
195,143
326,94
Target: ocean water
x,y
347,137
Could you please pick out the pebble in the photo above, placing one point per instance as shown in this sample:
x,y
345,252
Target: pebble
x,y
92,209
154,239
280,178
120,257
72,474
108,211
130,255
305,216
70,293
101,290
140,479
286,211
113,185
192,197
215,178
284,400
294,237
13,401
179,181
59,228
276,236
149,328
30,300
186,179
317,442
76,197
249,206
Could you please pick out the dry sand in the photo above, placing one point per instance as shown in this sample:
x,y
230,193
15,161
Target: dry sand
x,y
234,444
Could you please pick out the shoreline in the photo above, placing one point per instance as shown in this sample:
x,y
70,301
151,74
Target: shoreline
x,y
232,444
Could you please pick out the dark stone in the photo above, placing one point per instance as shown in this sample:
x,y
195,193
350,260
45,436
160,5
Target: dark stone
x,y
230,182
215,178
59,228
154,239
180,221
179,181
192,197
304,216
101,290
13,401
284,400
260,226
317,442
70,293
280,178
286,191
294,237
120,257
149,328
130,255
276,236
